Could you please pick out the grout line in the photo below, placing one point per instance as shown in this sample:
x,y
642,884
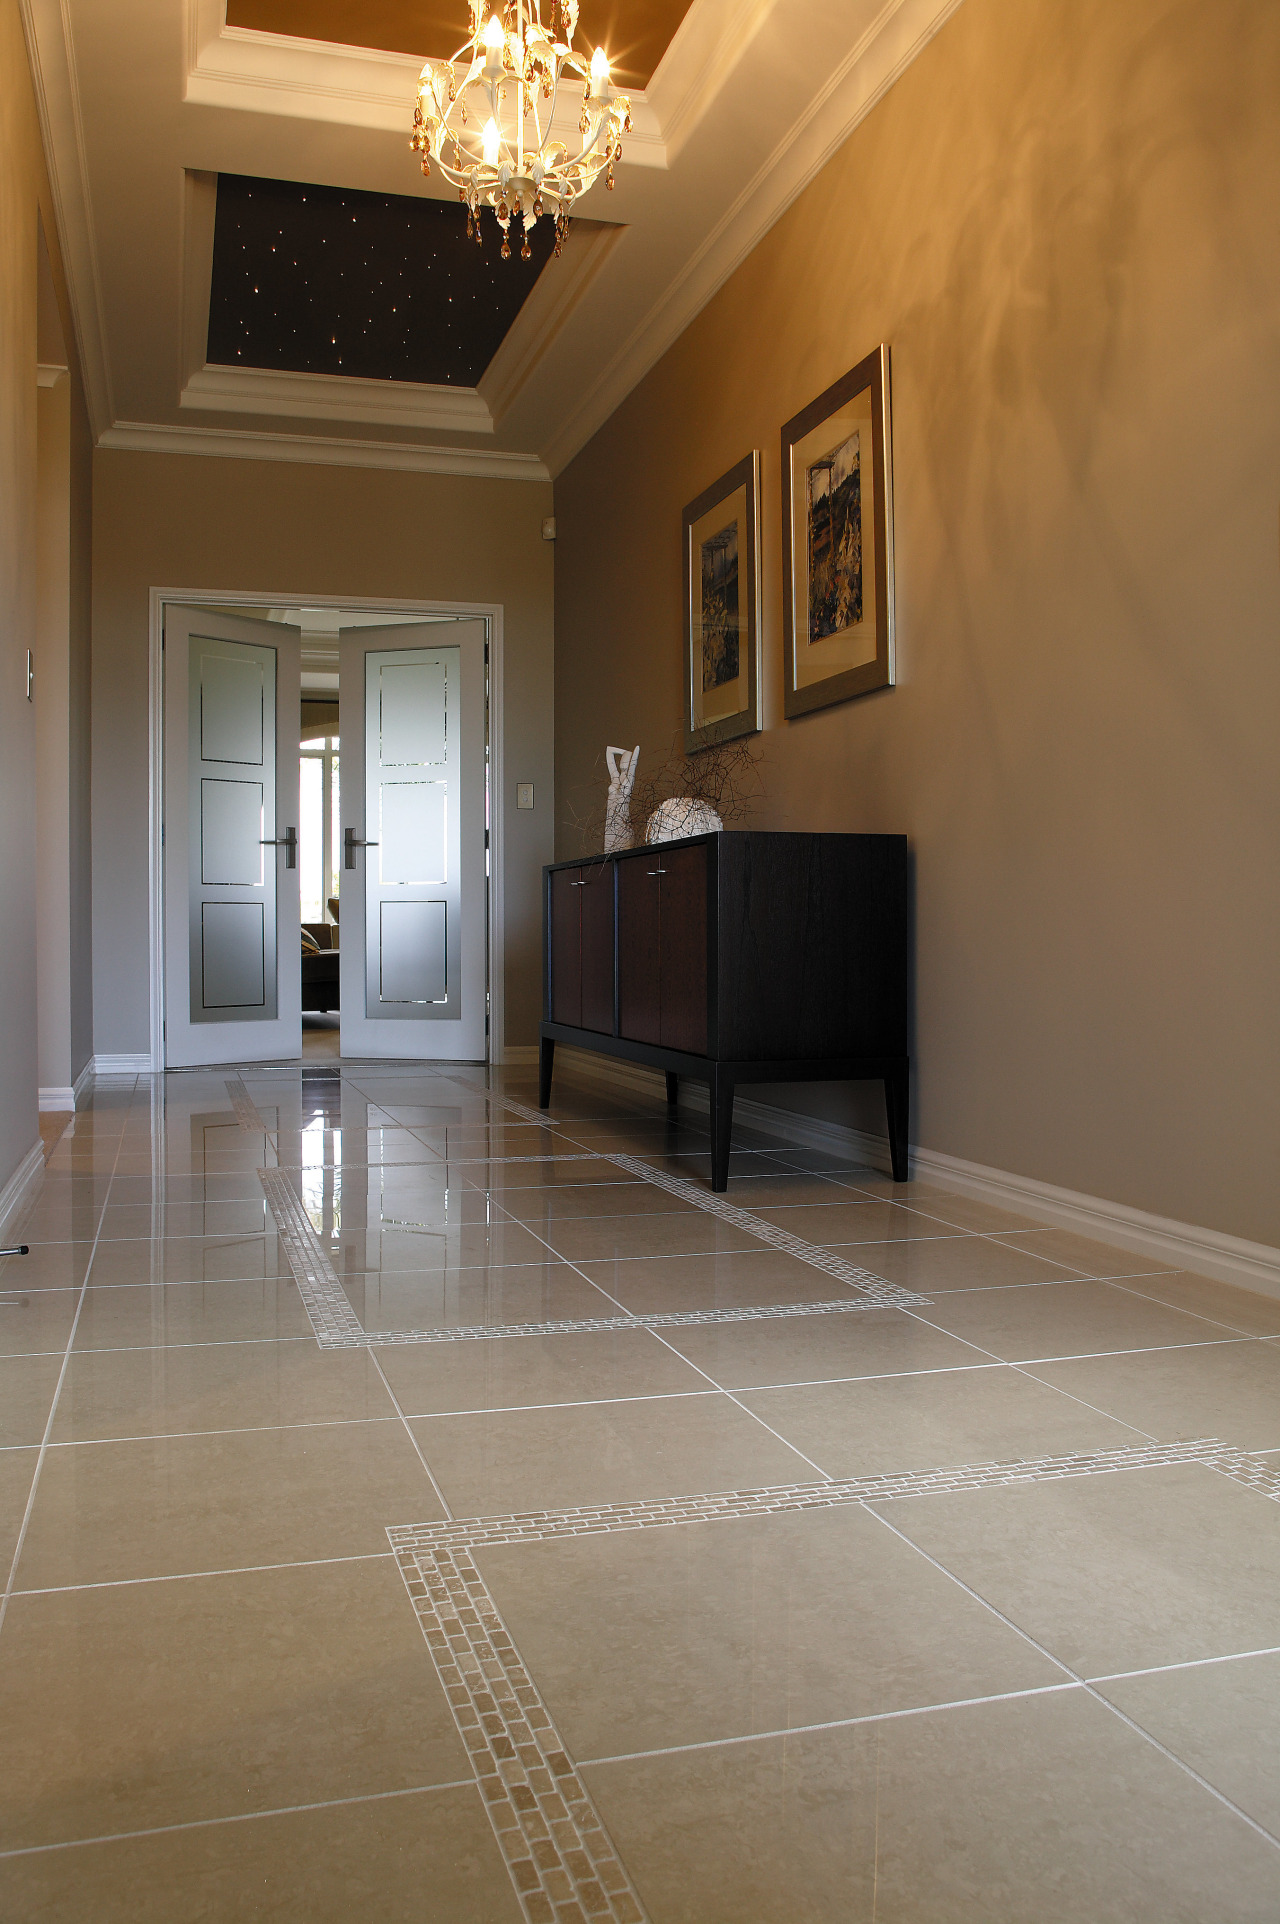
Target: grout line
x,y
235,1429
235,1817
834,1723
441,1499
194,1576
1097,1695
1190,1663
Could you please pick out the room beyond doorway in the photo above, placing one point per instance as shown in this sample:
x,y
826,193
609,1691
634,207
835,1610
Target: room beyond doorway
x,y
423,958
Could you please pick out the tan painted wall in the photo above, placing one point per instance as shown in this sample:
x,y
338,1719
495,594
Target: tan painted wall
x,y
1065,218
24,200
264,527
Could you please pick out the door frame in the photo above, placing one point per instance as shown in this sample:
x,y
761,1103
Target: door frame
x,y
240,598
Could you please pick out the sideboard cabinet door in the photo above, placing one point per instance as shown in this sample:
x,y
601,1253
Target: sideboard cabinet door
x,y
683,944
596,897
566,947
639,947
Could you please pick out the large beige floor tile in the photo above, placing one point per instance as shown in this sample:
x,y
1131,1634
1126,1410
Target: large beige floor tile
x,y
47,1266
224,1386
676,1232
932,1421
38,1321
189,1187
747,1279
550,1292
1239,1309
245,1216
455,1246
27,1384
569,1202
1045,1810
107,1512
426,1858
869,1221
121,1317
160,1703
1119,1571
804,1349
531,1370
189,1259
603,1453
933,1265
1066,1319
17,1467
1221,1718
1227,1390
566,1170
1081,1252
690,1634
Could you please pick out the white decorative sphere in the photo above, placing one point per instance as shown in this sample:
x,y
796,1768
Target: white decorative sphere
x,y
682,815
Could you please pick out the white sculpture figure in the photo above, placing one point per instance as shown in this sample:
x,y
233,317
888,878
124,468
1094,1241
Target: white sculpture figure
x,y
617,808
682,815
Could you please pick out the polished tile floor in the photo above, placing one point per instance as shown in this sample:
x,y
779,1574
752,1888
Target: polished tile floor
x,y
480,1521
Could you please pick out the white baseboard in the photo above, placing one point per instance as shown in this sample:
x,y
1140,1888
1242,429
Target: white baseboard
x,y
121,1065
84,1078
519,1054
1208,1252
16,1193
57,1101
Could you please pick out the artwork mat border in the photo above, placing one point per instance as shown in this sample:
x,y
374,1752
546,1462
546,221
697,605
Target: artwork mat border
x,y
872,373
744,475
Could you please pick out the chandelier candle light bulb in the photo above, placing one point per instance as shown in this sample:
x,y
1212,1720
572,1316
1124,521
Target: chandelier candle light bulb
x,y
485,118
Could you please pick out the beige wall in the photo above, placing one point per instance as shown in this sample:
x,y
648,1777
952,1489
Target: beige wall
x,y
1064,219
24,200
193,522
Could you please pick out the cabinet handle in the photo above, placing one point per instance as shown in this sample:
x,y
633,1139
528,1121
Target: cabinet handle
x,y
577,885
655,871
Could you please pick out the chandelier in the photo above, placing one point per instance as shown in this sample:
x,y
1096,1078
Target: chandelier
x,y
486,115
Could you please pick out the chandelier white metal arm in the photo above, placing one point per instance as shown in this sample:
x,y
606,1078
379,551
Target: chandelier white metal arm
x,y
485,118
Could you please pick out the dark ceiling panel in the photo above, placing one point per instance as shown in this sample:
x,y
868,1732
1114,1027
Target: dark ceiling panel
x,y
330,280
634,33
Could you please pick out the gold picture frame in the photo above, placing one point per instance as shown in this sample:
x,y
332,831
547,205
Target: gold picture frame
x,y
837,542
721,544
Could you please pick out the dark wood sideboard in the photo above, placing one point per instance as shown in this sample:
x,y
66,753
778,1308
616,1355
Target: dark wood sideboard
x,y
741,956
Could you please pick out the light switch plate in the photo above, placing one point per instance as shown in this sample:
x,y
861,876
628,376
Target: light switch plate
x,y
524,794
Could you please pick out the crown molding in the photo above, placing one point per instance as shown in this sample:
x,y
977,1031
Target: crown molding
x,y
336,397
349,86
555,296
47,28
146,437
885,50
49,373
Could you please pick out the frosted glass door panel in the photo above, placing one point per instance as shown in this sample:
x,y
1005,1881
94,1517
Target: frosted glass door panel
x,y
232,967
412,900
231,830
232,692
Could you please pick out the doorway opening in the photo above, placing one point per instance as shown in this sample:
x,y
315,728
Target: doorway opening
x,y
386,745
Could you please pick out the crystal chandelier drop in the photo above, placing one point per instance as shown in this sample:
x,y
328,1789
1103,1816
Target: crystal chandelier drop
x,y
485,118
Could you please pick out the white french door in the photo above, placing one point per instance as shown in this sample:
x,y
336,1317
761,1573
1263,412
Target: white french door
x,y
231,913
413,892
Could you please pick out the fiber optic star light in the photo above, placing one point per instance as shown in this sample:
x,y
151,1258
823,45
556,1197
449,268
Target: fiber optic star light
x,y
486,116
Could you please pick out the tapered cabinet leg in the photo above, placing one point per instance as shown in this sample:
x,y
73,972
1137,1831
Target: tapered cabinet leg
x,y
546,1055
721,1131
673,1089
897,1099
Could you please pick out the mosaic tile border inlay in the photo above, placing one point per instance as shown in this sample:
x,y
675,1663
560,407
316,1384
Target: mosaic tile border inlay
x,y
325,1300
561,1859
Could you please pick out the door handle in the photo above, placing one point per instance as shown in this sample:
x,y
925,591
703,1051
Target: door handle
x,y
350,843
289,843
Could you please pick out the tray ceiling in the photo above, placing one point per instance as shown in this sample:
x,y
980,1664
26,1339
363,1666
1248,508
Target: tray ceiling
x,y
634,36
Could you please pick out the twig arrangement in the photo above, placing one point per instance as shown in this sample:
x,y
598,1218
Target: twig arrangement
x,y
726,775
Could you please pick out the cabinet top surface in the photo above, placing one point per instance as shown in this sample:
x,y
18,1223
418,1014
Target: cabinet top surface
x,y
718,835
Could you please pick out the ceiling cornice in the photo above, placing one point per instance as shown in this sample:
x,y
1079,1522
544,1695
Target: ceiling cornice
x,y
53,73
336,397
245,444
885,50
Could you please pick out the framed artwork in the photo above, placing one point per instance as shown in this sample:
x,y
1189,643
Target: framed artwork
x,y
721,608
837,541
